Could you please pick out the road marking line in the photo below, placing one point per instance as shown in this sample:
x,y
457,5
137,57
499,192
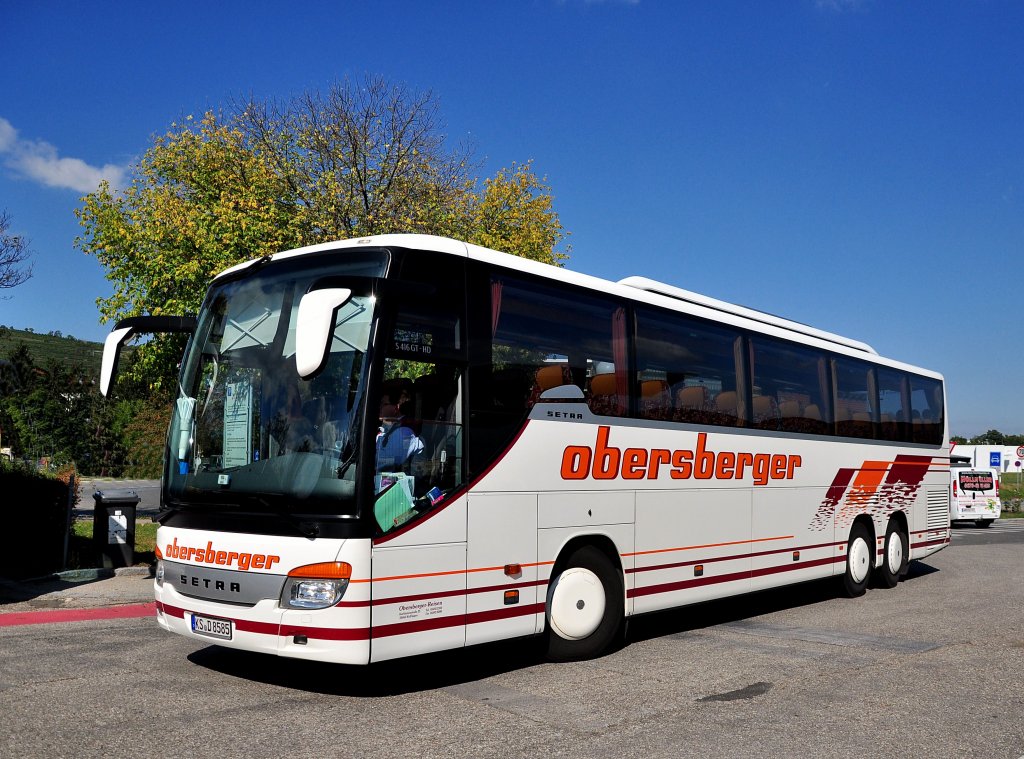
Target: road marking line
x,y
129,611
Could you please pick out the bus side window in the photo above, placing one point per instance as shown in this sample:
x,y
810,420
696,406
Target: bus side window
x,y
926,405
790,386
687,370
854,398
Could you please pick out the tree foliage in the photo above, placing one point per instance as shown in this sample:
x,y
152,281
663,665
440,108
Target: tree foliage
x,y
991,437
14,255
53,412
266,176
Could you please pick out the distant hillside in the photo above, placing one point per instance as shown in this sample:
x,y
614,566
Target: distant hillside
x,y
47,348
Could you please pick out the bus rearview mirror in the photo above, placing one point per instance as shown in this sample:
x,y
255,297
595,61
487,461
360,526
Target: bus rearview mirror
x,y
313,329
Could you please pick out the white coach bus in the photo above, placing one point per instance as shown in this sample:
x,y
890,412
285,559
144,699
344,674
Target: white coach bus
x,y
403,444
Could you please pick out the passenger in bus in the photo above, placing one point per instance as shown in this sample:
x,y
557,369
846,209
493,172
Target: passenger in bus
x,y
397,442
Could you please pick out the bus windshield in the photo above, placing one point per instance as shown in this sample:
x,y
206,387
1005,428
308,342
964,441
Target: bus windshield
x,y
248,433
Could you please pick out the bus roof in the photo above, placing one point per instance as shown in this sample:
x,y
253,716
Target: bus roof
x,y
633,288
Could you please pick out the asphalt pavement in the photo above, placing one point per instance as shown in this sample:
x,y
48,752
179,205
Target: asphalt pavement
x,y
147,490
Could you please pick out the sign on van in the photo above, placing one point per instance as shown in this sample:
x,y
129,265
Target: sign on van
x,y
977,481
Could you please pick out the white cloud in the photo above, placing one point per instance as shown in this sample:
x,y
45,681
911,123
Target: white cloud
x,y
39,161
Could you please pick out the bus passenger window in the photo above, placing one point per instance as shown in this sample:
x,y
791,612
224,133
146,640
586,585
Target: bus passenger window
x,y
687,370
855,398
926,405
790,386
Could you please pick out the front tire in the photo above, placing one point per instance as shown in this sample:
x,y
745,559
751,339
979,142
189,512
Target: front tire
x,y
859,555
585,606
894,559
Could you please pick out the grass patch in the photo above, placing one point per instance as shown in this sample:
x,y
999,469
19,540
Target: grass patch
x,y
82,553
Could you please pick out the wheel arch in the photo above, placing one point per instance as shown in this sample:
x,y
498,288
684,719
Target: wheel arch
x,y
900,517
600,541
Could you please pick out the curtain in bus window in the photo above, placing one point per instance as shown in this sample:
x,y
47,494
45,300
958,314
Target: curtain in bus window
x,y
495,306
620,353
686,369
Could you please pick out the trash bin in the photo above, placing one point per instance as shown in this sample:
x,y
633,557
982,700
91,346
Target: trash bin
x,y
113,526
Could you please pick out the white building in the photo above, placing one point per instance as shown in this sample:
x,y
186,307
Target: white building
x,y
1001,457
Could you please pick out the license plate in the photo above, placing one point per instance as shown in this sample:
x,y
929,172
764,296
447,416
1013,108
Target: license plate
x,y
212,627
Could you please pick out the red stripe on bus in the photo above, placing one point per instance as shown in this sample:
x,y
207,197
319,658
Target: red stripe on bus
x,y
926,543
456,592
670,587
438,623
380,631
734,557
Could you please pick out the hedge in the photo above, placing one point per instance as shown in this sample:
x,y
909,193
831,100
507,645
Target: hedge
x,y
34,510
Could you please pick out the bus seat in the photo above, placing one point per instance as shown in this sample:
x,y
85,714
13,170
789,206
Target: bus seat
x,y
812,412
655,401
552,375
547,377
790,409
694,397
765,408
728,403
604,396
602,384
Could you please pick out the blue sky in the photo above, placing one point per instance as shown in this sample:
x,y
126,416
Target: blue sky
x,y
857,165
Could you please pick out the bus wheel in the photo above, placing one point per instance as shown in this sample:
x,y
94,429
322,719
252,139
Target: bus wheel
x,y
858,561
894,561
584,607
983,522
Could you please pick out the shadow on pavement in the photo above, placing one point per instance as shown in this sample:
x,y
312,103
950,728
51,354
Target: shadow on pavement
x,y
392,678
448,668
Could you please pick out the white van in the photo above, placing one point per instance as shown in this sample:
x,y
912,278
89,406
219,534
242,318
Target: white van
x,y
974,495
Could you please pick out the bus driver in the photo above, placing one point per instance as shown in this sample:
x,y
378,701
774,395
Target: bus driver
x,y
397,443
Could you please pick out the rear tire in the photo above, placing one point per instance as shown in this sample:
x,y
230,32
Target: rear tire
x,y
894,556
859,561
585,606
984,522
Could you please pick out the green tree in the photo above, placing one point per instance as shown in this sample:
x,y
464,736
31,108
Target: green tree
x,y
262,177
55,412
992,437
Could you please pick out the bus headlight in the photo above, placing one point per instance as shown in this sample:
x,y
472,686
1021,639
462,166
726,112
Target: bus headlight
x,y
159,567
316,586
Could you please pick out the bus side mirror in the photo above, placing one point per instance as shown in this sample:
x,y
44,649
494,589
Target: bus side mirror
x,y
313,328
128,328
111,352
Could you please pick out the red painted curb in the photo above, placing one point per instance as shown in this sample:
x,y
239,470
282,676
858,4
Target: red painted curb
x,y
129,611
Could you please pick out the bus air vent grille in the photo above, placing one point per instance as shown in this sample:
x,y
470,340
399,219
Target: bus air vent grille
x,y
938,509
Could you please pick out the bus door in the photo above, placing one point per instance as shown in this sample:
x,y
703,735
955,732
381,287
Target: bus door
x,y
418,563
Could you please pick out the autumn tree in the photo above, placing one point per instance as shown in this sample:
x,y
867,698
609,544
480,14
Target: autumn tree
x,y
14,255
261,177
